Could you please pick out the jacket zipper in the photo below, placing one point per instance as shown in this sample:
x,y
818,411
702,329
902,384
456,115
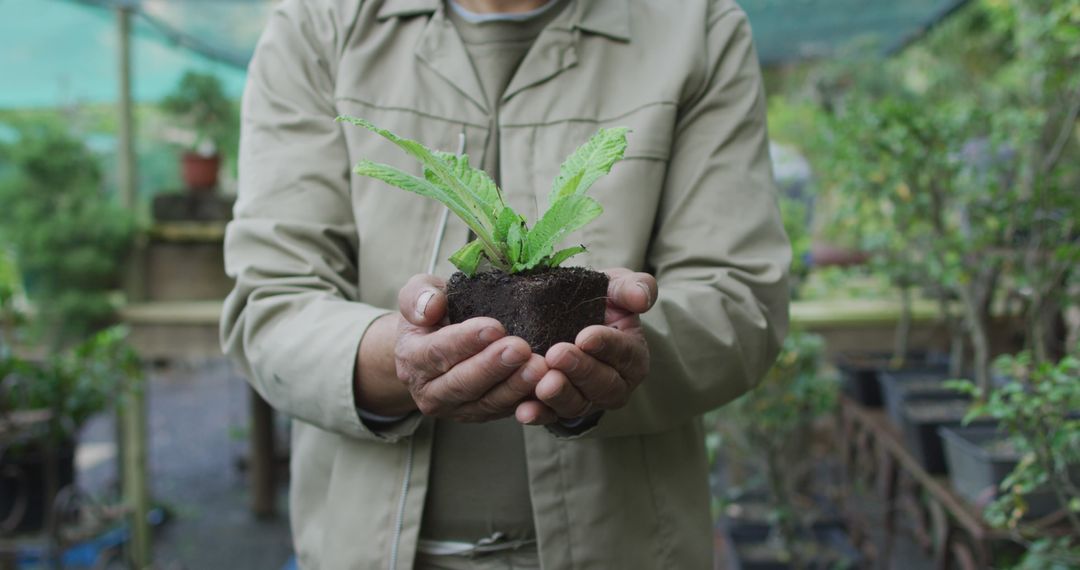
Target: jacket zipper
x,y
399,524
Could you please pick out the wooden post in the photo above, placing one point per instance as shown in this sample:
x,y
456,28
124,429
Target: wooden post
x,y
263,465
126,136
133,407
136,493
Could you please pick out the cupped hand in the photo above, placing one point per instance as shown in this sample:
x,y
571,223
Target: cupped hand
x,y
605,363
470,371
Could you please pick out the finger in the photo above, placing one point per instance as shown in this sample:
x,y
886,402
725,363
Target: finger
x,y
427,355
501,400
473,377
633,291
596,381
422,301
534,413
627,353
557,392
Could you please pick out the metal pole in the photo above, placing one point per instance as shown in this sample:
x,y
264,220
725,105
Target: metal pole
x,y
126,150
133,411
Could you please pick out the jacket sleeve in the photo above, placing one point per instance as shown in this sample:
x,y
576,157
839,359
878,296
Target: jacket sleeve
x,y
719,251
292,321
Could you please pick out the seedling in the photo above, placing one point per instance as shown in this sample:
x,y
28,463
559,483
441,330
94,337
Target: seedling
x,y
503,239
525,289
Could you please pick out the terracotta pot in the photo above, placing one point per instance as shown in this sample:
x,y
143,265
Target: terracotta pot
x,y
200,172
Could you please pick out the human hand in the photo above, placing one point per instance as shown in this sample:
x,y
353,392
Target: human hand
x,y
606,362
468,372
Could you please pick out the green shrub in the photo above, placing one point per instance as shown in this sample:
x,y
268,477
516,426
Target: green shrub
x,y
70,240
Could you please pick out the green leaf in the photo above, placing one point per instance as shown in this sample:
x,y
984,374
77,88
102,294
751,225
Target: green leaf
x,y
588,163
467,258
563,254
487,192
447,173
506,218
564,216
417,185
515,241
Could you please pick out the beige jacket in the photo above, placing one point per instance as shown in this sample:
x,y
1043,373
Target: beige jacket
x,y
318,254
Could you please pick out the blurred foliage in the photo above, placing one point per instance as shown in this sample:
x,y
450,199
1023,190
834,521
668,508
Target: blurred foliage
x,y
846,283
771,426
200,103
73,384
1037,406
795,219
956,164
70,240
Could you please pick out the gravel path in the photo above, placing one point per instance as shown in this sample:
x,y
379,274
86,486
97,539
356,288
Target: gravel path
x,y
198,415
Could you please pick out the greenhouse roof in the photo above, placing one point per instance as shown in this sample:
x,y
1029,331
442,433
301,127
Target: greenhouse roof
x,y
791,30
57,52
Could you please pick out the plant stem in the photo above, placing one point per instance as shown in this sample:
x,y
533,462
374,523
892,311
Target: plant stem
x,y
903,328
980,344
783,505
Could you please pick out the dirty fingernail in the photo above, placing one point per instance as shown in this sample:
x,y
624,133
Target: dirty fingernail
x,y
490,335
511,357
593,344
422,302
648,293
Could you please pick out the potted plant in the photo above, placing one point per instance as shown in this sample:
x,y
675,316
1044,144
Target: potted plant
x,y
71,386
68,244
872,163
1029,465
770,429
200,104
510,271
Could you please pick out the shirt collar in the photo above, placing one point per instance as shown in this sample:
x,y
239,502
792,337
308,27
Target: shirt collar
x,y
609,18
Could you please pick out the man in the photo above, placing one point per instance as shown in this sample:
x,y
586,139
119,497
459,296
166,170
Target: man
x,y
592,455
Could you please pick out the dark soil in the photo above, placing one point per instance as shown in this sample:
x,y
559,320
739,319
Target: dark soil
x,y
544,307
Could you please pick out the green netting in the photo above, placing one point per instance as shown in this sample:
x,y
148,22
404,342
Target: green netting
x,y
58,52
790,30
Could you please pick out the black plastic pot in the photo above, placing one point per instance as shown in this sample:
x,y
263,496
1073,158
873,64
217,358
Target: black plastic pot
x,y
921,418
861,372
900,386
25,501
749,534
979,459
831,545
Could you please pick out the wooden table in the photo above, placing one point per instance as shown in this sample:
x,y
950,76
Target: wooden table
x,y
874,456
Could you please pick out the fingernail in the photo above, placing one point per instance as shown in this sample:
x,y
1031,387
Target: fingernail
x,y
422,302
593,344
648,293
570,362
490,335
531,376
511,357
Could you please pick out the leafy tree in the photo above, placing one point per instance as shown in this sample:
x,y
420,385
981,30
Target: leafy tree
x,y
769,425
70,240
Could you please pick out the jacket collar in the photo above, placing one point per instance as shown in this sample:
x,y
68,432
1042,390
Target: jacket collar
x,y
609,18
